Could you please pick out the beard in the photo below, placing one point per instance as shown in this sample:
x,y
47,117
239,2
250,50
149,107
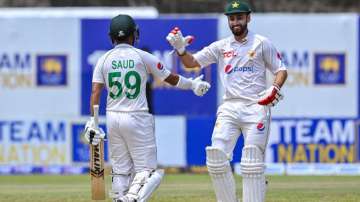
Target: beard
x,y
238,32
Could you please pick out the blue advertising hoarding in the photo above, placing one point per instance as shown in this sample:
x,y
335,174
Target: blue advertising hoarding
x,y
358,97
80,149
305,140
291,140
166,100
198,137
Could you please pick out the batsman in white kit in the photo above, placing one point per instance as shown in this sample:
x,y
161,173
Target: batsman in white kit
x,y
124,71
242,62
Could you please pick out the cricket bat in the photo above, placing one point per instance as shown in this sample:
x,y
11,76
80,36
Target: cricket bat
x,y
97,164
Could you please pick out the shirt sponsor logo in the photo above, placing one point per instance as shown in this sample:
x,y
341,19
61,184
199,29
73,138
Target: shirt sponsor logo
x,y
160,66
229,54
260,126
230,69
51,70
329,68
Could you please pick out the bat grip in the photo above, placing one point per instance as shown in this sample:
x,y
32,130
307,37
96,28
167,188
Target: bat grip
x,y
96,115
92,135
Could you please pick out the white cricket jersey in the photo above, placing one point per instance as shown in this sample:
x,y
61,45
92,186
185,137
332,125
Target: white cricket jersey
x,y
124,70
241,65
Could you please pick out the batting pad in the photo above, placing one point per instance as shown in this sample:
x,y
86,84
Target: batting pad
x,y
221,175
151,185
120,185
252,169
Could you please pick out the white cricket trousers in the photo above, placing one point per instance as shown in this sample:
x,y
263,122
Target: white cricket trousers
x,y
131,141
235,117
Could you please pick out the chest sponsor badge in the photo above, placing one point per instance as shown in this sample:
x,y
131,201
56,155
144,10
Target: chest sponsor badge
x,y
260,126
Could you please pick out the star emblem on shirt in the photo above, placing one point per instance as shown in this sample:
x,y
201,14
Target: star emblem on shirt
x,y
235,5
251,53
217,125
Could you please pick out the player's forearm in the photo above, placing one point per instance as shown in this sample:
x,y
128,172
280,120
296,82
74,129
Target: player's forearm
x,y
280,78
95,96
189,61
172,79
94,101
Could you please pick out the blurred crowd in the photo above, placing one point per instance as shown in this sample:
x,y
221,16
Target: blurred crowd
x,y
202,6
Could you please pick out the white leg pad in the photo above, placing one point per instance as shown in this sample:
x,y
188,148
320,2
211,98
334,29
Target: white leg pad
x,y
151,185
221,175
120,185
143,185
252,170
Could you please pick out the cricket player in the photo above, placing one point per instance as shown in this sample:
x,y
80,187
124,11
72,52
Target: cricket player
x,y
124,71
242,62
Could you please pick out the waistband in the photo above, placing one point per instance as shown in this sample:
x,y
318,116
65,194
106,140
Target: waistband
x,y
242,101
129,112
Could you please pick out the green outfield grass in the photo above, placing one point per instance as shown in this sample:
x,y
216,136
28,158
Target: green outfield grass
x,y
182,187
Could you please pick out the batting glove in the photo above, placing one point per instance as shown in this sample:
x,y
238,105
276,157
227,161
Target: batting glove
x,y
177,41
93,135
199,86
270,97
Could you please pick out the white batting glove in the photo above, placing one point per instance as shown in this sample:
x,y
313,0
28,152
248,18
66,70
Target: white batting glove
x,y
199,86
93,135
270,96
177,41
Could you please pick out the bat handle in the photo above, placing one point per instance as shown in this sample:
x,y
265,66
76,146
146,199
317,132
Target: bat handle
x,y
92,135
96,115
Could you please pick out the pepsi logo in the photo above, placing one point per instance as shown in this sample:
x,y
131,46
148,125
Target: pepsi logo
x,y
260,126
228,69
160,66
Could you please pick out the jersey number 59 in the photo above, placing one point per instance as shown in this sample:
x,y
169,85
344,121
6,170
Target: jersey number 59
x,y
132,82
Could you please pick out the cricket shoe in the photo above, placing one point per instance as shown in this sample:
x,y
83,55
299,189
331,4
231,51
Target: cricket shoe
x,y
126,199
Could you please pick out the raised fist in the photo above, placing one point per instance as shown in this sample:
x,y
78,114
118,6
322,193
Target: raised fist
x,y
177,41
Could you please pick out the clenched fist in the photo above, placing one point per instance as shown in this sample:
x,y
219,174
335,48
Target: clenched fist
x,y
177,41
92,134
199,86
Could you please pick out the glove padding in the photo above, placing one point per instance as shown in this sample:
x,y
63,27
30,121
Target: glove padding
x,y
199,86
177,41
92,134
270,96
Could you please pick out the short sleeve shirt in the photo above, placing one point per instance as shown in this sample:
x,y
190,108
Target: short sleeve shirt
x,y
124,71
242,65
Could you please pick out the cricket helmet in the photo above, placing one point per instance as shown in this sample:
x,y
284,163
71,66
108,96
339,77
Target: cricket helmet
x,y
123,26
234,7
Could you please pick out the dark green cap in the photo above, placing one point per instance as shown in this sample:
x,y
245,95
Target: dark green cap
x,y
237,7
122,26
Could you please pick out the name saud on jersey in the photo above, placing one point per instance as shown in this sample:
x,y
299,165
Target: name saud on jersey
x,y
123,64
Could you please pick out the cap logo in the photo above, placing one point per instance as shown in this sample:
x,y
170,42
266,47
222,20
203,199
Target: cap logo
x,y
121,33
235,5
